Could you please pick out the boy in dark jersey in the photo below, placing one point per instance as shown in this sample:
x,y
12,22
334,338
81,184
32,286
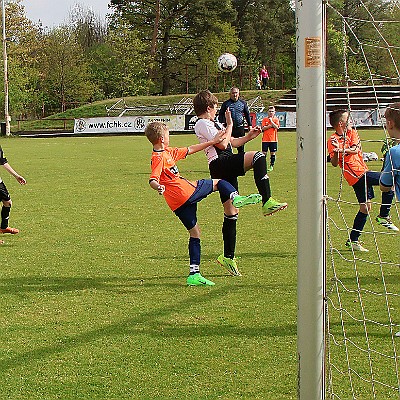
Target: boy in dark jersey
x,y
182,195
5,196
223,164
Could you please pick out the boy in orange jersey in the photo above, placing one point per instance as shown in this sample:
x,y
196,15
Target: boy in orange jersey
x,y
344,148
270,126
182,195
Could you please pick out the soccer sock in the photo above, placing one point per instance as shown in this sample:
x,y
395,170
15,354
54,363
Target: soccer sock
x,y
225,188
387,198
229,235
5,214
273,158
194,269
260,176
194,255
358,226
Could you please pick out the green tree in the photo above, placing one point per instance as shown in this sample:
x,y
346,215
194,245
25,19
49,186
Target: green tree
x,y
357,39
179,33
65,73
266,30
23,49
127,63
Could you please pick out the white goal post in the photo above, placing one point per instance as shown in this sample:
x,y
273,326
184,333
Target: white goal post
x,y
311,160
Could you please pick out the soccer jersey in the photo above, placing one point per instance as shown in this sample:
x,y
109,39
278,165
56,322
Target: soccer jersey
x,y
3,160
391,171
205,131
353,165
164,170
239,112
271,134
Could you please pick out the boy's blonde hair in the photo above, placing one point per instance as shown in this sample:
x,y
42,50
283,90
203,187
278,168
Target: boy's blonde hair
x,y
393,113
202,100
155,130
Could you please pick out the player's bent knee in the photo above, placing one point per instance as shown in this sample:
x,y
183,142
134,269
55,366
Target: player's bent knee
x,y
7,203
257,156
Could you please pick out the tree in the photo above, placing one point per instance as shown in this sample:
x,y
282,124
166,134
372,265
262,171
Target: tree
x,y
184,29
357,33
266,30
23,48
65,73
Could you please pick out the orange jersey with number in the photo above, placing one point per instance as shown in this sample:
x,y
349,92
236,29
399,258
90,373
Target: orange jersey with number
x,y
353,165
271,134
165,172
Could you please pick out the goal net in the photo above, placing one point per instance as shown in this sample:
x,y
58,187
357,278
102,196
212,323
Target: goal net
x,y
362,324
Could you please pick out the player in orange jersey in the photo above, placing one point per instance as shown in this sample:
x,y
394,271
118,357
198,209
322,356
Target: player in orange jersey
x,y
183,195
270,126
344,148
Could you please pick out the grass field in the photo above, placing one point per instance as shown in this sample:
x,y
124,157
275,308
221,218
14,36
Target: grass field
x,y
93,300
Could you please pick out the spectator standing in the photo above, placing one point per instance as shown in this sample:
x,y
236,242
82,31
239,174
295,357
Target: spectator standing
x,y
264,77
240,114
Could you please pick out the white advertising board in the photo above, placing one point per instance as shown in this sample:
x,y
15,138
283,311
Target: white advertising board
x,y
126,124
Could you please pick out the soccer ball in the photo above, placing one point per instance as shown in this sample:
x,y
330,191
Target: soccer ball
x,y
226,62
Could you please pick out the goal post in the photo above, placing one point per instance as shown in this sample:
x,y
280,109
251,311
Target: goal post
x,y
311,160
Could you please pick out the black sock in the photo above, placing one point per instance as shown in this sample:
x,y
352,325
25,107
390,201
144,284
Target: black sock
x,y
229,235
273,158
260,176
194,251
387,198
5,214
358,226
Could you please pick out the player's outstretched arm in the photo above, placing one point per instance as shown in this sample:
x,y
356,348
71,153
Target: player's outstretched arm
x,y
17,176
218,138
253,133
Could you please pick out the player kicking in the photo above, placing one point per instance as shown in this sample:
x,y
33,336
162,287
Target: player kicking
x,y
223,164
182,195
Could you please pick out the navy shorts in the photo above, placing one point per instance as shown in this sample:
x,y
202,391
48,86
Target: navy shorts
x,y
187,212
4,195
228,167
271,146
363,188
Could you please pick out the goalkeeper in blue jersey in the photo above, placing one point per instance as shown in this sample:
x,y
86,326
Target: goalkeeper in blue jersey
x,y
390,176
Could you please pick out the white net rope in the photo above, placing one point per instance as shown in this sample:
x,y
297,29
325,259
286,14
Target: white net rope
x,y
363,288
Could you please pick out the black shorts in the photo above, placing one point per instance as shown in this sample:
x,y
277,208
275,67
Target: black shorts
x,y
238,132
228,167
363,188
187,212
4,195
271,146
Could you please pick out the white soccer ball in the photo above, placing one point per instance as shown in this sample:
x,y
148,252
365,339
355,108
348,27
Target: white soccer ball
x,y
226,62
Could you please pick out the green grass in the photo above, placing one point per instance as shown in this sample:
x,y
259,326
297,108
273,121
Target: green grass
x,y
93,295
93,300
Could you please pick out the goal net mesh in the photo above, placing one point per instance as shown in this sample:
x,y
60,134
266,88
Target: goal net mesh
x,y
362,289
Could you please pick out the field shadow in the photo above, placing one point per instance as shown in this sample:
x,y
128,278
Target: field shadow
x,y
64,284
144,323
